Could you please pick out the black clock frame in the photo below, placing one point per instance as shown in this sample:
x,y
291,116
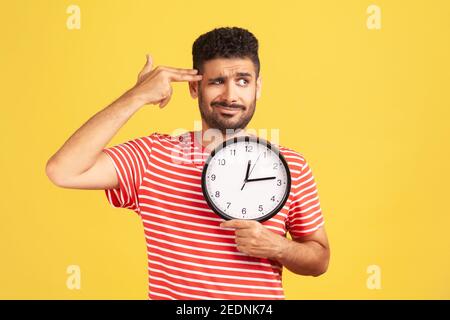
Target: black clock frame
x,y
258,140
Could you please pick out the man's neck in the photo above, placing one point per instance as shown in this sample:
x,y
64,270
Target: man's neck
x,y
210,139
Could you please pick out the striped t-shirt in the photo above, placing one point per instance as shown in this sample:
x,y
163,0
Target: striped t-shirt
x,y
189,255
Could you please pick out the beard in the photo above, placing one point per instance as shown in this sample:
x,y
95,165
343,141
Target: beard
x,y
224,122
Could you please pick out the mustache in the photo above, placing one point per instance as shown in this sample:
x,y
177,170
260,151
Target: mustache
x,y
225,104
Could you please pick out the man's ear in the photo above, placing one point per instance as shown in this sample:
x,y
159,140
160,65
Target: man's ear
x,y
258,87
193,89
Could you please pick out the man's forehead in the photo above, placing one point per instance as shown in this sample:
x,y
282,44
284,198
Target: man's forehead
x,y
224,68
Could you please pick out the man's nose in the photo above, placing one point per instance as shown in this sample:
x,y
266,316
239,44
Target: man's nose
x,y
230,92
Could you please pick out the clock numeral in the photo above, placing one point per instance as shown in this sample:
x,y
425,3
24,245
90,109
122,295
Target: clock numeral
x,y
213,177
265,153
244,211
260,208
279,182
275,166
221,162
273,198
228,205
233,152
248,148
217,194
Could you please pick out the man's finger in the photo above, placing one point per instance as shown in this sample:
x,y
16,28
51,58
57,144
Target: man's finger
x,y
180,70
243,233
237,224
146,69
149,60
148,64
165,101
175,76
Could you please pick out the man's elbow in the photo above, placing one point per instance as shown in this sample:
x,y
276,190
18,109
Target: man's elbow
x,y
53,174
319,271
322,266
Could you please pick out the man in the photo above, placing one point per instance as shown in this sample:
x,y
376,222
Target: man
x,y
192,252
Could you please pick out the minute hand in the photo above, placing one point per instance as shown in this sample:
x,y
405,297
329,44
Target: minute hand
x,y
260,179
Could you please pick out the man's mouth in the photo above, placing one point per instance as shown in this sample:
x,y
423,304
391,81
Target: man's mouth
x,y
228,110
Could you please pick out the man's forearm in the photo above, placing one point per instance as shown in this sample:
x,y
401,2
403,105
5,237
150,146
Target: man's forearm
x,y
308,258
81,150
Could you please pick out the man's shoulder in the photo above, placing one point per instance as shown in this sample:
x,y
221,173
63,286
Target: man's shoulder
x,y
292,156
169,140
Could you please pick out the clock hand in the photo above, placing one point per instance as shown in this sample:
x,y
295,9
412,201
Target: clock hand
x,y
249,173
248,168
246,174
260,179
254,164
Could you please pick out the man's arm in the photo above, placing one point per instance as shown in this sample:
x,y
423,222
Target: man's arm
x,y
80,162
308,255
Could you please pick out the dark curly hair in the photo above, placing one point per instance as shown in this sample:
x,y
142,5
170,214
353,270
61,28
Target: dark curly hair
x,y
225,42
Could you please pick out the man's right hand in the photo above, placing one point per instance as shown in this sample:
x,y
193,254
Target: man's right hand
x,y
154,86
80,162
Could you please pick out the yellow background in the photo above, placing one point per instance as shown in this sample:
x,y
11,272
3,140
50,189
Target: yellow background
x,y
369,109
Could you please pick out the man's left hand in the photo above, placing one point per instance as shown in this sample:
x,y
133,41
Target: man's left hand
x,y
254,239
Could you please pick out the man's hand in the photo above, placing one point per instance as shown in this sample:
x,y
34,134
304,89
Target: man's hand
x,y
308,255
256,240
154,86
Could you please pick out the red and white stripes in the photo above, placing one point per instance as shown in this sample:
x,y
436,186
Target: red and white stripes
x,y
189,255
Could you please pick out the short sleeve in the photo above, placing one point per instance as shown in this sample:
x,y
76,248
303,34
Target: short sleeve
x,y
305,214
130,159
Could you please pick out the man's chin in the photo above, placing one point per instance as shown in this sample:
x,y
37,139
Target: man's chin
x,y
232,125
230,130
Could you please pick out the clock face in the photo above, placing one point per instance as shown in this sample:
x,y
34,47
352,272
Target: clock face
x,y
246,178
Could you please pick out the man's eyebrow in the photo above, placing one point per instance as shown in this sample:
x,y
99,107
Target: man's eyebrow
x,y
244,74
238,74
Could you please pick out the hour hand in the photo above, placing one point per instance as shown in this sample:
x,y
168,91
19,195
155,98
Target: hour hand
x,y
248,169
246,174
261,179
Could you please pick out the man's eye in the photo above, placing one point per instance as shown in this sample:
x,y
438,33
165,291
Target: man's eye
x,y
245,81
242,82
